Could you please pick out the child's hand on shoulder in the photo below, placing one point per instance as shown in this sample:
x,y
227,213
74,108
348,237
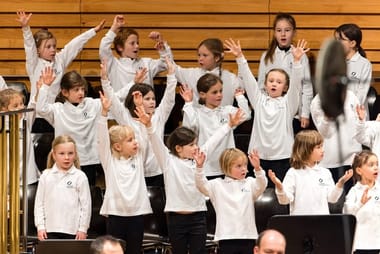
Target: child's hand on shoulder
x,y
100,26
300,50
186,93
233,47
272,176
48,75
106,104
344,178
23,18
237,118
200,158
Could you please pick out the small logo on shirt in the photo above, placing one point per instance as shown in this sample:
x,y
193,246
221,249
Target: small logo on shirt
x,y
244,189
223,121
133,166
69,184
321,182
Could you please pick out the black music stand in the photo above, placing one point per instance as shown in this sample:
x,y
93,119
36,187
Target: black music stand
x,y
64,246
316,234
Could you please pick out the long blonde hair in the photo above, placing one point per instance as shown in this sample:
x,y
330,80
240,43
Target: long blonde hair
x,y
62,140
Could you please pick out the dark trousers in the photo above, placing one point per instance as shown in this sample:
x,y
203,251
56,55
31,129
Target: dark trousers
x,y
128,228
92,171
236,246
187,232
56,235
157,180
279,167
367,252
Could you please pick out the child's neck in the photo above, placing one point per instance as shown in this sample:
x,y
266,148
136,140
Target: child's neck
x,y
311,164
369,183
350,54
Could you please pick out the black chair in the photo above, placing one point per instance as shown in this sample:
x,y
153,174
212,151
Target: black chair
x,y
211,245
266,206
42,146
155,226
20,86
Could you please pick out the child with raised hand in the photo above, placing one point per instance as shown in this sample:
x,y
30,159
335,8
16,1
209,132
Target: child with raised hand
x,y
279,55
41,51
359,68
210,59
363,201
185,205
272,131
62,208
128,69
233,197
13,100
308,187
74,115
126,197
125,115
204,119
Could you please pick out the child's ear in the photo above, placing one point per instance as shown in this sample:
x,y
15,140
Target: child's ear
x,y
119,48
202,95
65,92
178,149
117,147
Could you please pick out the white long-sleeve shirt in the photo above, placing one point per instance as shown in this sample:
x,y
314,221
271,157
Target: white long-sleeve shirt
x,y
126,192
76,121
3,84
205,121
368,134
190,76
347,131
161,114
35,64
308,191
181,192
285,60
367,233
272,132
233,201
63,201
122,71
359,72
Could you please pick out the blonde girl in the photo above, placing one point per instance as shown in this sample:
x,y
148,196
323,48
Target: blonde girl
x,y
307,187
63,201
126,197
233,199
363,201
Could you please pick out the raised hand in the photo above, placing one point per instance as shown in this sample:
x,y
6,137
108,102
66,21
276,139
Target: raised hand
x,y
142,116
141,75
137,98
100,26
47,75
199,158
233,47
300,50
103,70
239,91
118,22
237,118
186,93
23,18
272,176
360,111
254,158
169,63
347,175
106,103
157,37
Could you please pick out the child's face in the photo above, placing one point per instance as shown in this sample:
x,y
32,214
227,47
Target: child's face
x,y
128,147
149,102
64,155
75,95
131,47
276,84
239,168
187,151
284,33
213,97
316,155
368,171
348,45
206,59
16,103
48,49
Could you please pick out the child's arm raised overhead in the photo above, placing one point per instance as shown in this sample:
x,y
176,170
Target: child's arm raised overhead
x,y
283,197
190,115
243,103
43,107
364,133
